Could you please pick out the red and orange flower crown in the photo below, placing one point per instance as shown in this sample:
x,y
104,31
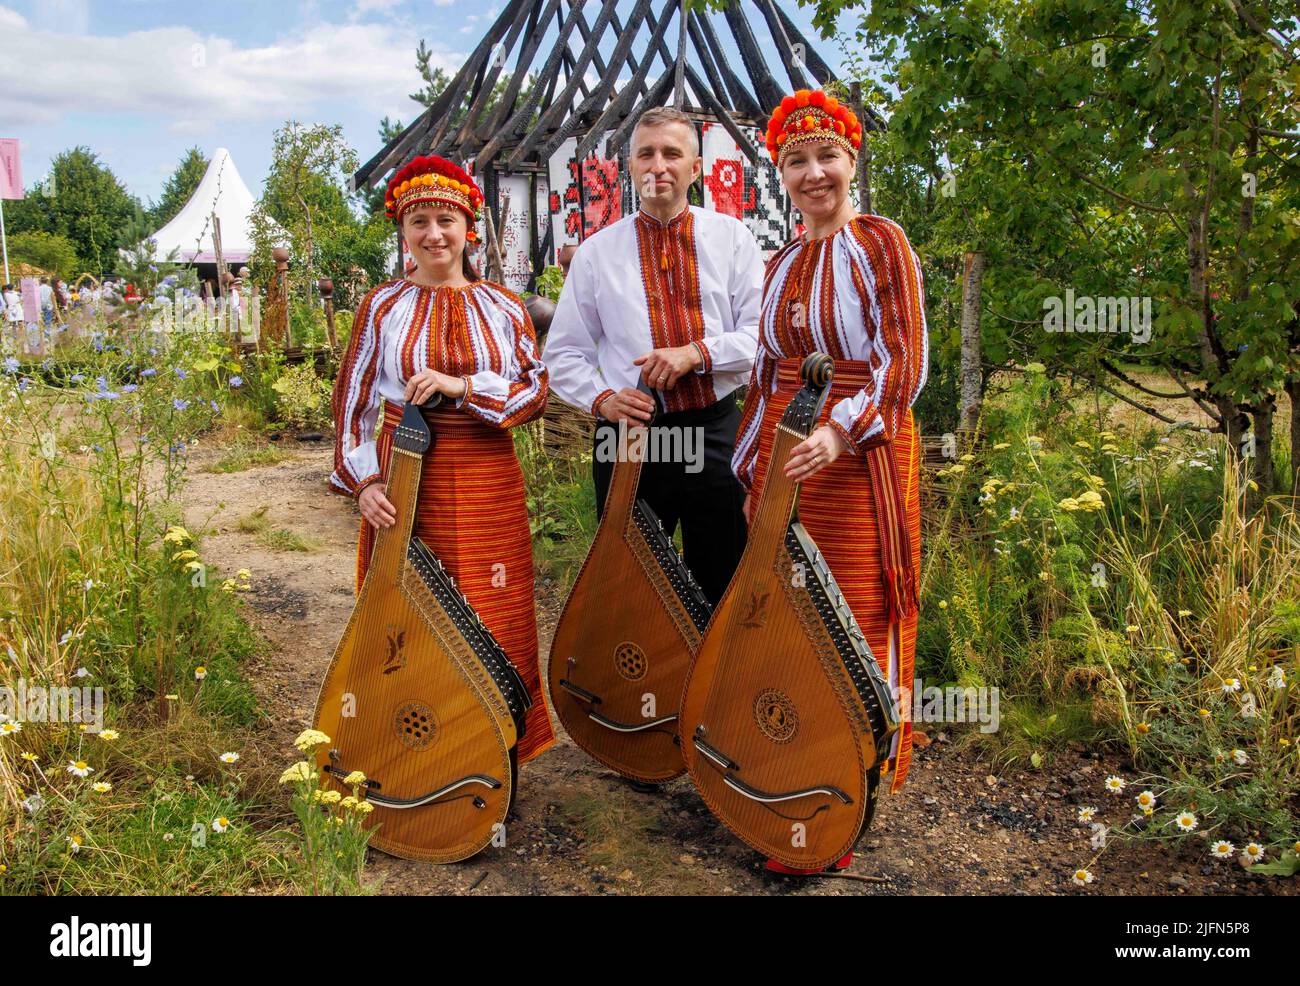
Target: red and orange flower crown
x,y
433,179
811,115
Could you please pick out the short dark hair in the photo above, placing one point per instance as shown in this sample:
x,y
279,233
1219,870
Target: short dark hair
x,y
658,116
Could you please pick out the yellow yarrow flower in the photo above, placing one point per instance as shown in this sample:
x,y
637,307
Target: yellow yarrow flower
x,y
177,535
354,778
301,771
309,739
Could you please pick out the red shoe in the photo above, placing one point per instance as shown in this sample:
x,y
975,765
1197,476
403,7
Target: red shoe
x,y
772,866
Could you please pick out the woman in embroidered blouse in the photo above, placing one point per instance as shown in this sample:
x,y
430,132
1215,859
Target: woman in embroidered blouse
x,y
445,330
849,287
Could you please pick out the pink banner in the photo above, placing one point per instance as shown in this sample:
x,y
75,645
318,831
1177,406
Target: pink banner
x,y
11,169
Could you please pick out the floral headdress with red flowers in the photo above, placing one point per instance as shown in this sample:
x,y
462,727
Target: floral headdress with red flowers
x,y
811,115
433,179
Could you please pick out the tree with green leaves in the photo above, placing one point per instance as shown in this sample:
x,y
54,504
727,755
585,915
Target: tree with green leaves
x,y
1107,150
50,252
82,201
305,207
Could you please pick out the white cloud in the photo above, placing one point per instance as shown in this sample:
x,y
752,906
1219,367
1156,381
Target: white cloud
x,y
186,80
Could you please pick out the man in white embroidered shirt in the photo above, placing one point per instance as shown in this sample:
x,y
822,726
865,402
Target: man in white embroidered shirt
x,y
669,296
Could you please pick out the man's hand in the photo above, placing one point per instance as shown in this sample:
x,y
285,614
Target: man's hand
x,y
629,404
376,507
428,382
662,368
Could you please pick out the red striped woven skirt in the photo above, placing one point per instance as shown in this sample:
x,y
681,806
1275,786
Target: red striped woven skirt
x,y
472,514
837,507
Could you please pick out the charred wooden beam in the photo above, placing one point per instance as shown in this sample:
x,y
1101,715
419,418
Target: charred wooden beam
x,y
741,97
657,96
484,91
706,59
710,101
533,38
812,60
554,114
750,56
679,69
793,61
615,112
521,116
478,60
600,98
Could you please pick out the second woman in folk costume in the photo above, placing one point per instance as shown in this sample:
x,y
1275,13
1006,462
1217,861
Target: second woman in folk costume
x,y
445,330
849,287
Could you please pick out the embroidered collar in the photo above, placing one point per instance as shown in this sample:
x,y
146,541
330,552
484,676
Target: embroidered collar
x,y
641,214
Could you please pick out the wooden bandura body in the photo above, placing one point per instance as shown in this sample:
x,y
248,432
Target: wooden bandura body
x,y
419,696
625,639
786,716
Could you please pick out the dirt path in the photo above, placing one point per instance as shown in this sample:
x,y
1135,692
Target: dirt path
x,y
955,828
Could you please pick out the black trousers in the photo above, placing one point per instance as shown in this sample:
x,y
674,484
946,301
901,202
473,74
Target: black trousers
x,y
708,503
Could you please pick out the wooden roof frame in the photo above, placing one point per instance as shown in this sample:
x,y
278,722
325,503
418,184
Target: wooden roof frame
x,y
697,78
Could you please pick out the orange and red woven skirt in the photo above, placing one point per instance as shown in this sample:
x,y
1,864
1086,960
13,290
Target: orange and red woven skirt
x,y
837,507
472,514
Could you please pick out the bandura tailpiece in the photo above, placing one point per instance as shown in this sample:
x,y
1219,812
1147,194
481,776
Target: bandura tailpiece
x,y
625,638
419,696
787,717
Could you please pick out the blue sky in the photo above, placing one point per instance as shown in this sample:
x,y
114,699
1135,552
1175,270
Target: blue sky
x,y
139,81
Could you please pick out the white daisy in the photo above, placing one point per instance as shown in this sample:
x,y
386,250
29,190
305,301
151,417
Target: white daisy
x,y
220,824
1087,813
1081,878
1115,784
228,757
1240,757
1230,685
80,768
1185,821
1222,849
1146,800
1253,852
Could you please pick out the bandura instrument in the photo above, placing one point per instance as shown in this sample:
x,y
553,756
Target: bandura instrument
x,y
625,639
419,696
787,717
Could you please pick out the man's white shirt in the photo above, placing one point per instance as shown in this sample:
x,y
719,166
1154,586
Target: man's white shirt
x,y
604,318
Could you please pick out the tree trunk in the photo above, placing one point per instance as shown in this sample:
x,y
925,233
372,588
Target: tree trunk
x,y
972,390
1262,467
1293,391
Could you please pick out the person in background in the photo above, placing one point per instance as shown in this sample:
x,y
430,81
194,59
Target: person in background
x,y
46,293
13,305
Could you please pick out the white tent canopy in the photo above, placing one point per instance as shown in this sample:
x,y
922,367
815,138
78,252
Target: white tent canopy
x,y
222,191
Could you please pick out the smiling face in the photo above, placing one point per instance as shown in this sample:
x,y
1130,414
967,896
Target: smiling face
x,y
817,176
665,161
435,237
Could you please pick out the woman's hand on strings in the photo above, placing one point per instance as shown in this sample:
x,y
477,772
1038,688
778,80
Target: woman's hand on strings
x,y
428,382
375,506
814,454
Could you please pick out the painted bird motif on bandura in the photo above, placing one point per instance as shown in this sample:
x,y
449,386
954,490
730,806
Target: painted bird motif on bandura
x,y
754,614
396,659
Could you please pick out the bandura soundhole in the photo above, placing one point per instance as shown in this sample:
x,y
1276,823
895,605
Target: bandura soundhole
x,y
630,661
416,724
775,715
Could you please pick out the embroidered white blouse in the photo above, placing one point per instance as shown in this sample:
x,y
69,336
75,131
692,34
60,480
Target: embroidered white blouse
x,y
480,332
641,284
